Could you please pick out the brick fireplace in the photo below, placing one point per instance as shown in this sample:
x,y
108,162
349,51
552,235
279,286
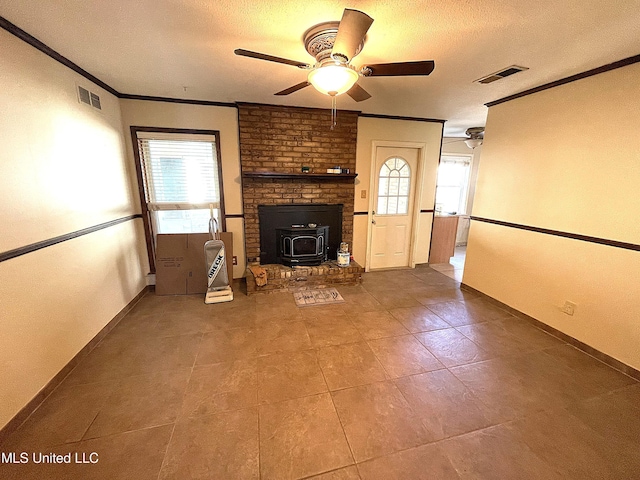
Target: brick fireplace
x,y
281,140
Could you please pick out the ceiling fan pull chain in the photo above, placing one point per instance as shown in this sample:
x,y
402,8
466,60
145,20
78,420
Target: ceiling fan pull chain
x,y
334,112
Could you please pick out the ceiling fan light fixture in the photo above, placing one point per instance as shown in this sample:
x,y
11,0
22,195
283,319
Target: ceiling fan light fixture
x,y
476,137
473,142
333,79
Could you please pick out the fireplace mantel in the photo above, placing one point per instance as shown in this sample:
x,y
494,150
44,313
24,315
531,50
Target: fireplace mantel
x,y
301,176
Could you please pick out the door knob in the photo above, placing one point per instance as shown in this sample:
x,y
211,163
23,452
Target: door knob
x,y
373,221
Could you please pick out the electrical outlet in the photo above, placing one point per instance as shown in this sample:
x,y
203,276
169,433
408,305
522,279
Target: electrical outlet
x,y
363,194
234,260
569,307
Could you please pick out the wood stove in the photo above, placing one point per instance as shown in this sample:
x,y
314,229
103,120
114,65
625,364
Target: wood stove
x,y
302,245
296,217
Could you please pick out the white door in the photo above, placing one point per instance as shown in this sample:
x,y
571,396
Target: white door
x,y
394,194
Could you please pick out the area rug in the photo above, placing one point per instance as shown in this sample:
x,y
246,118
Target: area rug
x,y
323,296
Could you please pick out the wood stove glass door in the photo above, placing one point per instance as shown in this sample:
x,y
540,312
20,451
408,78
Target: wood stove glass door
x,y
392,227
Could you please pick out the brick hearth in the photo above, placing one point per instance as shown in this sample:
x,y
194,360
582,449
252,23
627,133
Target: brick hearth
x,y
329,274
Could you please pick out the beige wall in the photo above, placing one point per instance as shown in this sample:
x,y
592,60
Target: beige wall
x,y
395,131
62,169
144,113
564,159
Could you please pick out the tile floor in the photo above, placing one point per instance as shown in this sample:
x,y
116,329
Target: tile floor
x,y
410,378
455,267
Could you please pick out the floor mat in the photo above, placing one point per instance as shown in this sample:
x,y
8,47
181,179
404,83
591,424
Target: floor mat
x,y
323,296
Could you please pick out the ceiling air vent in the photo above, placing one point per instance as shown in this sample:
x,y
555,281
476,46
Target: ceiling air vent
x,y
505,72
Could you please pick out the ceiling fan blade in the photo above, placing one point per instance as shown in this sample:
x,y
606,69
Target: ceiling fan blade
x,y
399,69
358,93
295,88
269,58
353,27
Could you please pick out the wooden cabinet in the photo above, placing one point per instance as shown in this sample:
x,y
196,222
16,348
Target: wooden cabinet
x,y
443,238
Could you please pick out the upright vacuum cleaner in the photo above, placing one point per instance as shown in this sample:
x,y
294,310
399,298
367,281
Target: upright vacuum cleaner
x,y
218,289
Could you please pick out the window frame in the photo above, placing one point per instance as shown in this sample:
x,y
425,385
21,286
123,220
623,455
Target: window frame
x,y
465,189
388,178
146,213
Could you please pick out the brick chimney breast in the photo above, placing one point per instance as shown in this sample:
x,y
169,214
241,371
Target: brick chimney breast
x,y
284,139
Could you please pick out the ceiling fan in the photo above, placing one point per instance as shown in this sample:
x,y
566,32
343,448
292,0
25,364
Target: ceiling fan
x,y
475,137
334,45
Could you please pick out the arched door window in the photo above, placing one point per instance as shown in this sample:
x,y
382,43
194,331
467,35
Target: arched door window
x,y
394,181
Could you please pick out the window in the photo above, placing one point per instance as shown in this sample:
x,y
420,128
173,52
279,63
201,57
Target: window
x,y
453,184
181,179
394,181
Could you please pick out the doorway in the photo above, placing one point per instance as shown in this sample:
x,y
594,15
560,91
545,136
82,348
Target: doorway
x,y
394,183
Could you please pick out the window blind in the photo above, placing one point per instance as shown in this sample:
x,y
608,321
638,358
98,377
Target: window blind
x,y
180,174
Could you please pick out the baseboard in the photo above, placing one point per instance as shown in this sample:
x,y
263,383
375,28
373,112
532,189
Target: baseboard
x,y
597,354
35,402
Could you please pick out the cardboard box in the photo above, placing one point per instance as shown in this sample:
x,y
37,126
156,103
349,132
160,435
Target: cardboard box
x,y
180,263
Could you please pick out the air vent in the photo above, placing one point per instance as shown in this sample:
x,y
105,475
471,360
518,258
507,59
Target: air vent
x,y
505,72
83,95
95,101
89,98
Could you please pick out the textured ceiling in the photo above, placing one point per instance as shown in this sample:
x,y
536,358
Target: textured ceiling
x,y
184,48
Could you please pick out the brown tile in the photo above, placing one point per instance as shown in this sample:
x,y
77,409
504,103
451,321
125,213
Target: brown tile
x,y
113,359
495,453
630,395
534,337
458,313
323,311
220,387
491,337
224,445
142,401
445,406
280,336
517,386
62,418
496,383
403,355
486,309
349,365
331,330
563,383
301,437
418,319
373,325
166,353
289,375
356,303
128,455
136,322
181,323
390,297
206,318
434,294
615,417
598,376
348,473
452,348
571,448
227,345
277,307
427,462
378,420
